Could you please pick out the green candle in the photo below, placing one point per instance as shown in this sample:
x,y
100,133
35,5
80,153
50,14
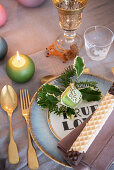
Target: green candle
x,y
20,68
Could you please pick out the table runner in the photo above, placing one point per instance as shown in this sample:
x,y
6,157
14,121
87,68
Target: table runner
x,y
44,66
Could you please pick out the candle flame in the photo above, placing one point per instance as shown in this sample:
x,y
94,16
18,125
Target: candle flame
x,y
18,60
18,56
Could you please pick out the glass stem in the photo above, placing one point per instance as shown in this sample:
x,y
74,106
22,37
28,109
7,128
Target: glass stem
x,y
69,35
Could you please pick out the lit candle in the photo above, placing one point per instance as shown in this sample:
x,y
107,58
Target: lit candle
x,y
20,68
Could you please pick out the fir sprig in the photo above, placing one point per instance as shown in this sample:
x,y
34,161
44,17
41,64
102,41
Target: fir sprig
x,y
63,110
59,110
85,84
66,76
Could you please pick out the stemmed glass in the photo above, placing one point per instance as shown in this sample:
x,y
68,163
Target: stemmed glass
x,y
70,15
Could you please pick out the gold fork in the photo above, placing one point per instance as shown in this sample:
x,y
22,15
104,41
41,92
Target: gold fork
x,y
25,106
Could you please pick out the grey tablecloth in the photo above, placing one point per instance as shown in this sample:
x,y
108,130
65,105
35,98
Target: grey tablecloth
x,y
30,31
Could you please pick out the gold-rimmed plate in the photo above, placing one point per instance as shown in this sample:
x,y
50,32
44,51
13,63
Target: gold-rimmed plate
x,y
38,122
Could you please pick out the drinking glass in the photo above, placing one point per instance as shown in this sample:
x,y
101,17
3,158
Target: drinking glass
x,y
98,40
70,15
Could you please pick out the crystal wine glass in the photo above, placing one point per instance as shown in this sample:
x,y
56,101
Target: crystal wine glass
x,y
70,15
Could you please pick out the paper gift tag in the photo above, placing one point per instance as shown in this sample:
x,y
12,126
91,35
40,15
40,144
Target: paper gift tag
x,y
71,96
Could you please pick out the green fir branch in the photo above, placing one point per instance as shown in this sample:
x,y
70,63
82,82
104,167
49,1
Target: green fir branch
x,y
63,109
59,110
65,78
85,84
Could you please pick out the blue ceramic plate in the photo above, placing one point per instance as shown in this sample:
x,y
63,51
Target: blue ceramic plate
x,y
38,122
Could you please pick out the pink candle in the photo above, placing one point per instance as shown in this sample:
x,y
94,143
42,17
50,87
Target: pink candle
x,y
31,3
3,15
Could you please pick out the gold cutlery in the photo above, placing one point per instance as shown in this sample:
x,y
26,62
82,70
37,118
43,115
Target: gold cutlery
x,y
9,103
49,77
46,78
25,106
113,70
86,70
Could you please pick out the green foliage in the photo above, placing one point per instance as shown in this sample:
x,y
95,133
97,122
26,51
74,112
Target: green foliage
x,y
79,66
85,84
63,109
70,112
71,71
53,100
89,94
65,78
60,110
50,101
49,96
48,88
